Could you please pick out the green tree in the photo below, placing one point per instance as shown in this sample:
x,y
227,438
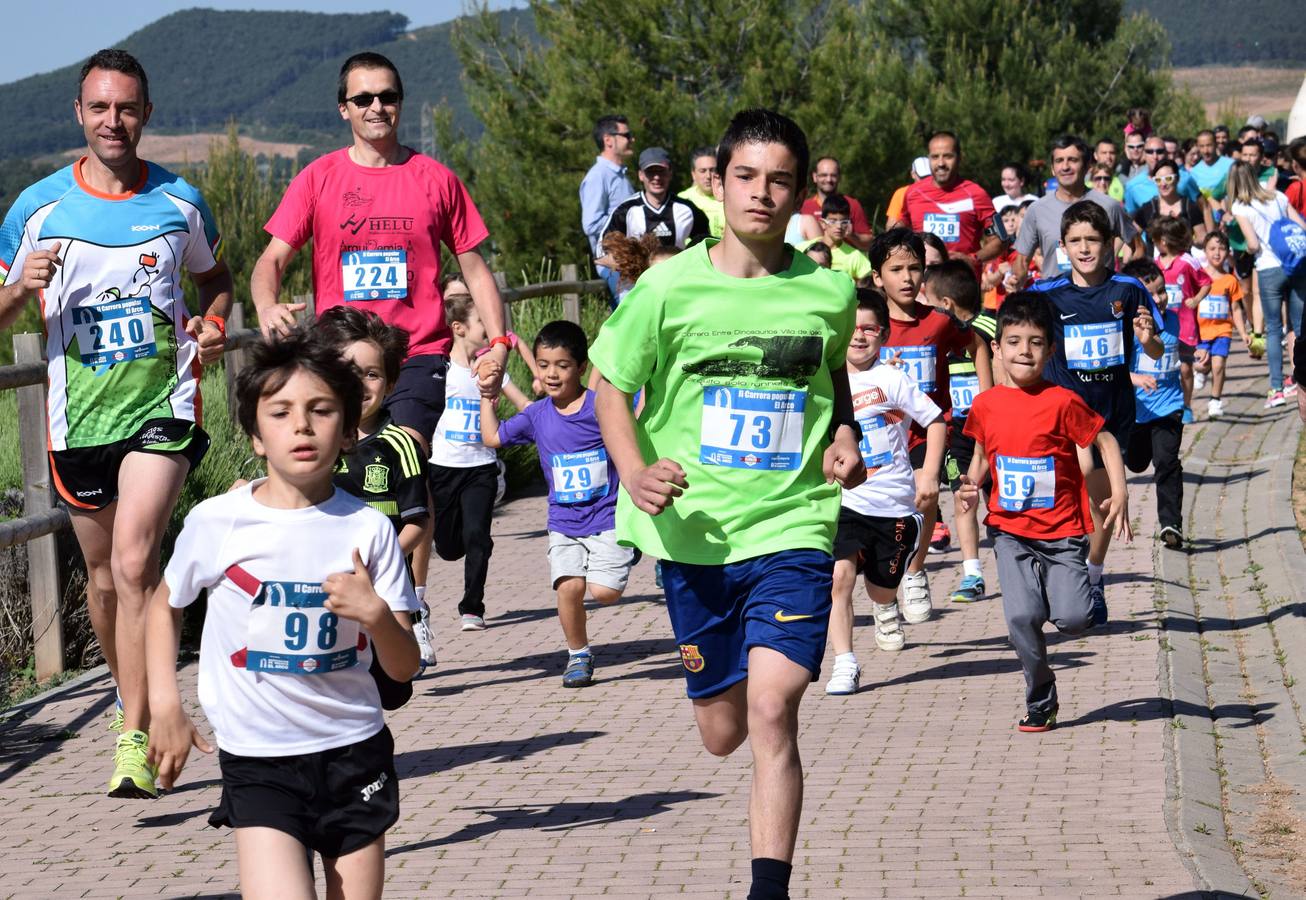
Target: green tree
x,y
868,82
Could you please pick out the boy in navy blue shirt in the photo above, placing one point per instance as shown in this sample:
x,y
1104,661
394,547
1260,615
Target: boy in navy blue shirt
x,y
1098,316
583,549
1159,424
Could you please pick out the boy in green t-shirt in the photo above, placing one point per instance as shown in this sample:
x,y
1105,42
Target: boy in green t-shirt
x,y
836,224
729,474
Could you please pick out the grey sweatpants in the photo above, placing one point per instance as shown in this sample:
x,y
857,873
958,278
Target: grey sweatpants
x,y
1041,581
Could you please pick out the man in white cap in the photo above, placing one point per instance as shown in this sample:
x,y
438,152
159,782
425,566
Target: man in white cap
x,y
920,168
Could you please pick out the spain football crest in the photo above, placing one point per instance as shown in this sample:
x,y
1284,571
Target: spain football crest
x,y
692,659
376,479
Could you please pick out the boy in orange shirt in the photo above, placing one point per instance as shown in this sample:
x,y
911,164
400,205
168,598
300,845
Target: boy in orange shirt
x,y
1217,315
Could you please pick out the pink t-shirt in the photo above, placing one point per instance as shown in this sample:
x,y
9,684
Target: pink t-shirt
x,y
376,238
1183,280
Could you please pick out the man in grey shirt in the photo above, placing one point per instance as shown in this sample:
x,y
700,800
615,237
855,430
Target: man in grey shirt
x,y
1041,229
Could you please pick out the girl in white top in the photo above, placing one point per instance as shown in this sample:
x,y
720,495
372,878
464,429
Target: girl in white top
x,y
1257,209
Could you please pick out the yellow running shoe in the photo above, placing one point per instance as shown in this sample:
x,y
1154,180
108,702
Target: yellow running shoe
x,y
133,776
116,724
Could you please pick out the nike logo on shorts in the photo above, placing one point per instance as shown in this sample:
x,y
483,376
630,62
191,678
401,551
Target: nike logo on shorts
x,y
787,617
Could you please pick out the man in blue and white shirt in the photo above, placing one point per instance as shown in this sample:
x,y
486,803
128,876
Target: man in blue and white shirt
x,y
605,184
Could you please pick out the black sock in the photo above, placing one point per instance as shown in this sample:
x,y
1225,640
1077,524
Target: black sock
x,y
770,879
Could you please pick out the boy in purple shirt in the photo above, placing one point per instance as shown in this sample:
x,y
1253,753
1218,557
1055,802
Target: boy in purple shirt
x,y
583,549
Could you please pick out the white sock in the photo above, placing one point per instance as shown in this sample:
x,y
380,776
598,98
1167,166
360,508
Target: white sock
x,y
848,657
971,567
1095,573
585,649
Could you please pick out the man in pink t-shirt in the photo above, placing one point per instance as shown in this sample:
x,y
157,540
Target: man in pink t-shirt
x,y
377,213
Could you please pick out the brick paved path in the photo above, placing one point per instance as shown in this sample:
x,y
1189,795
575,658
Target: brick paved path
x,y
919,786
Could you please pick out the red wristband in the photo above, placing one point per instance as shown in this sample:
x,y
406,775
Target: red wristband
x,y
501,339
220,322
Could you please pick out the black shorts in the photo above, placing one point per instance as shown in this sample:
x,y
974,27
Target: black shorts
x,y
883,545
333,802
917,456
87,477
1243,264
961,450
417,401
1187,352
1121,433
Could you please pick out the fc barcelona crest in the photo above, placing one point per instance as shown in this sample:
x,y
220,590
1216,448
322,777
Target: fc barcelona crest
x,y
692,659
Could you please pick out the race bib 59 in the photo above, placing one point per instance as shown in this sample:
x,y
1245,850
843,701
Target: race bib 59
x,y
1026,482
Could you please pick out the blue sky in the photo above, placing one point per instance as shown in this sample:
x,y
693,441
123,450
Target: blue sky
x,y
51,34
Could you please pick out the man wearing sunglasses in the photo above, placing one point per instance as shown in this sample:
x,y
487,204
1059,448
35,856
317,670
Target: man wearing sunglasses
x,y
1141,189
1041,228
605,185
1105,154
1134,162
377,213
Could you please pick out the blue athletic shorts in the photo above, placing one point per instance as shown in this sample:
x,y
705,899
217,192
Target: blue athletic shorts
x,y
718,613
1215,346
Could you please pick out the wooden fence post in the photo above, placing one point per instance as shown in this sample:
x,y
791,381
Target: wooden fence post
x,y
570,302
233,360
502,281
43,552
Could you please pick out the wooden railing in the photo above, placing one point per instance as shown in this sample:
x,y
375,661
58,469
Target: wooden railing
x,y
43,516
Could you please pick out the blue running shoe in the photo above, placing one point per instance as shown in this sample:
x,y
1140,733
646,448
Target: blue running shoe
x,y
1098,598
657,573
579,671
970,590
1188,416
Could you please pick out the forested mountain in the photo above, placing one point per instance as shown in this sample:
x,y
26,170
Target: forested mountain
x,y
273,72
1224,32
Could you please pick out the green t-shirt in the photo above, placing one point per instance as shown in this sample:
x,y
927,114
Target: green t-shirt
x,y
845,258
737,390
711,207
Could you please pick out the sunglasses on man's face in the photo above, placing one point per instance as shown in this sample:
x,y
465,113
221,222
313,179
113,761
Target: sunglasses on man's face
x,y
1155,151
365,99
1133,146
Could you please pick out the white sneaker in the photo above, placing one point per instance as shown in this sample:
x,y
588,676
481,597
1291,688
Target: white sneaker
x,y
845,678
1199,381
888,633
917,606
422,631
1214,409
473,623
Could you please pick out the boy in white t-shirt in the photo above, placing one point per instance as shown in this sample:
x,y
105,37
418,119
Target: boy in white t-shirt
x,y
464,472
292,624
879,521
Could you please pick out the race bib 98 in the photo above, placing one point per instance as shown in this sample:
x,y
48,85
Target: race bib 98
x,y
752,429
876,446
1099,345
116,332
1026,482
291,633
374,274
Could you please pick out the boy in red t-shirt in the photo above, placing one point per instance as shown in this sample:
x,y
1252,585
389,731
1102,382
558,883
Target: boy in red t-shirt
x,y
920,342
1026,435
